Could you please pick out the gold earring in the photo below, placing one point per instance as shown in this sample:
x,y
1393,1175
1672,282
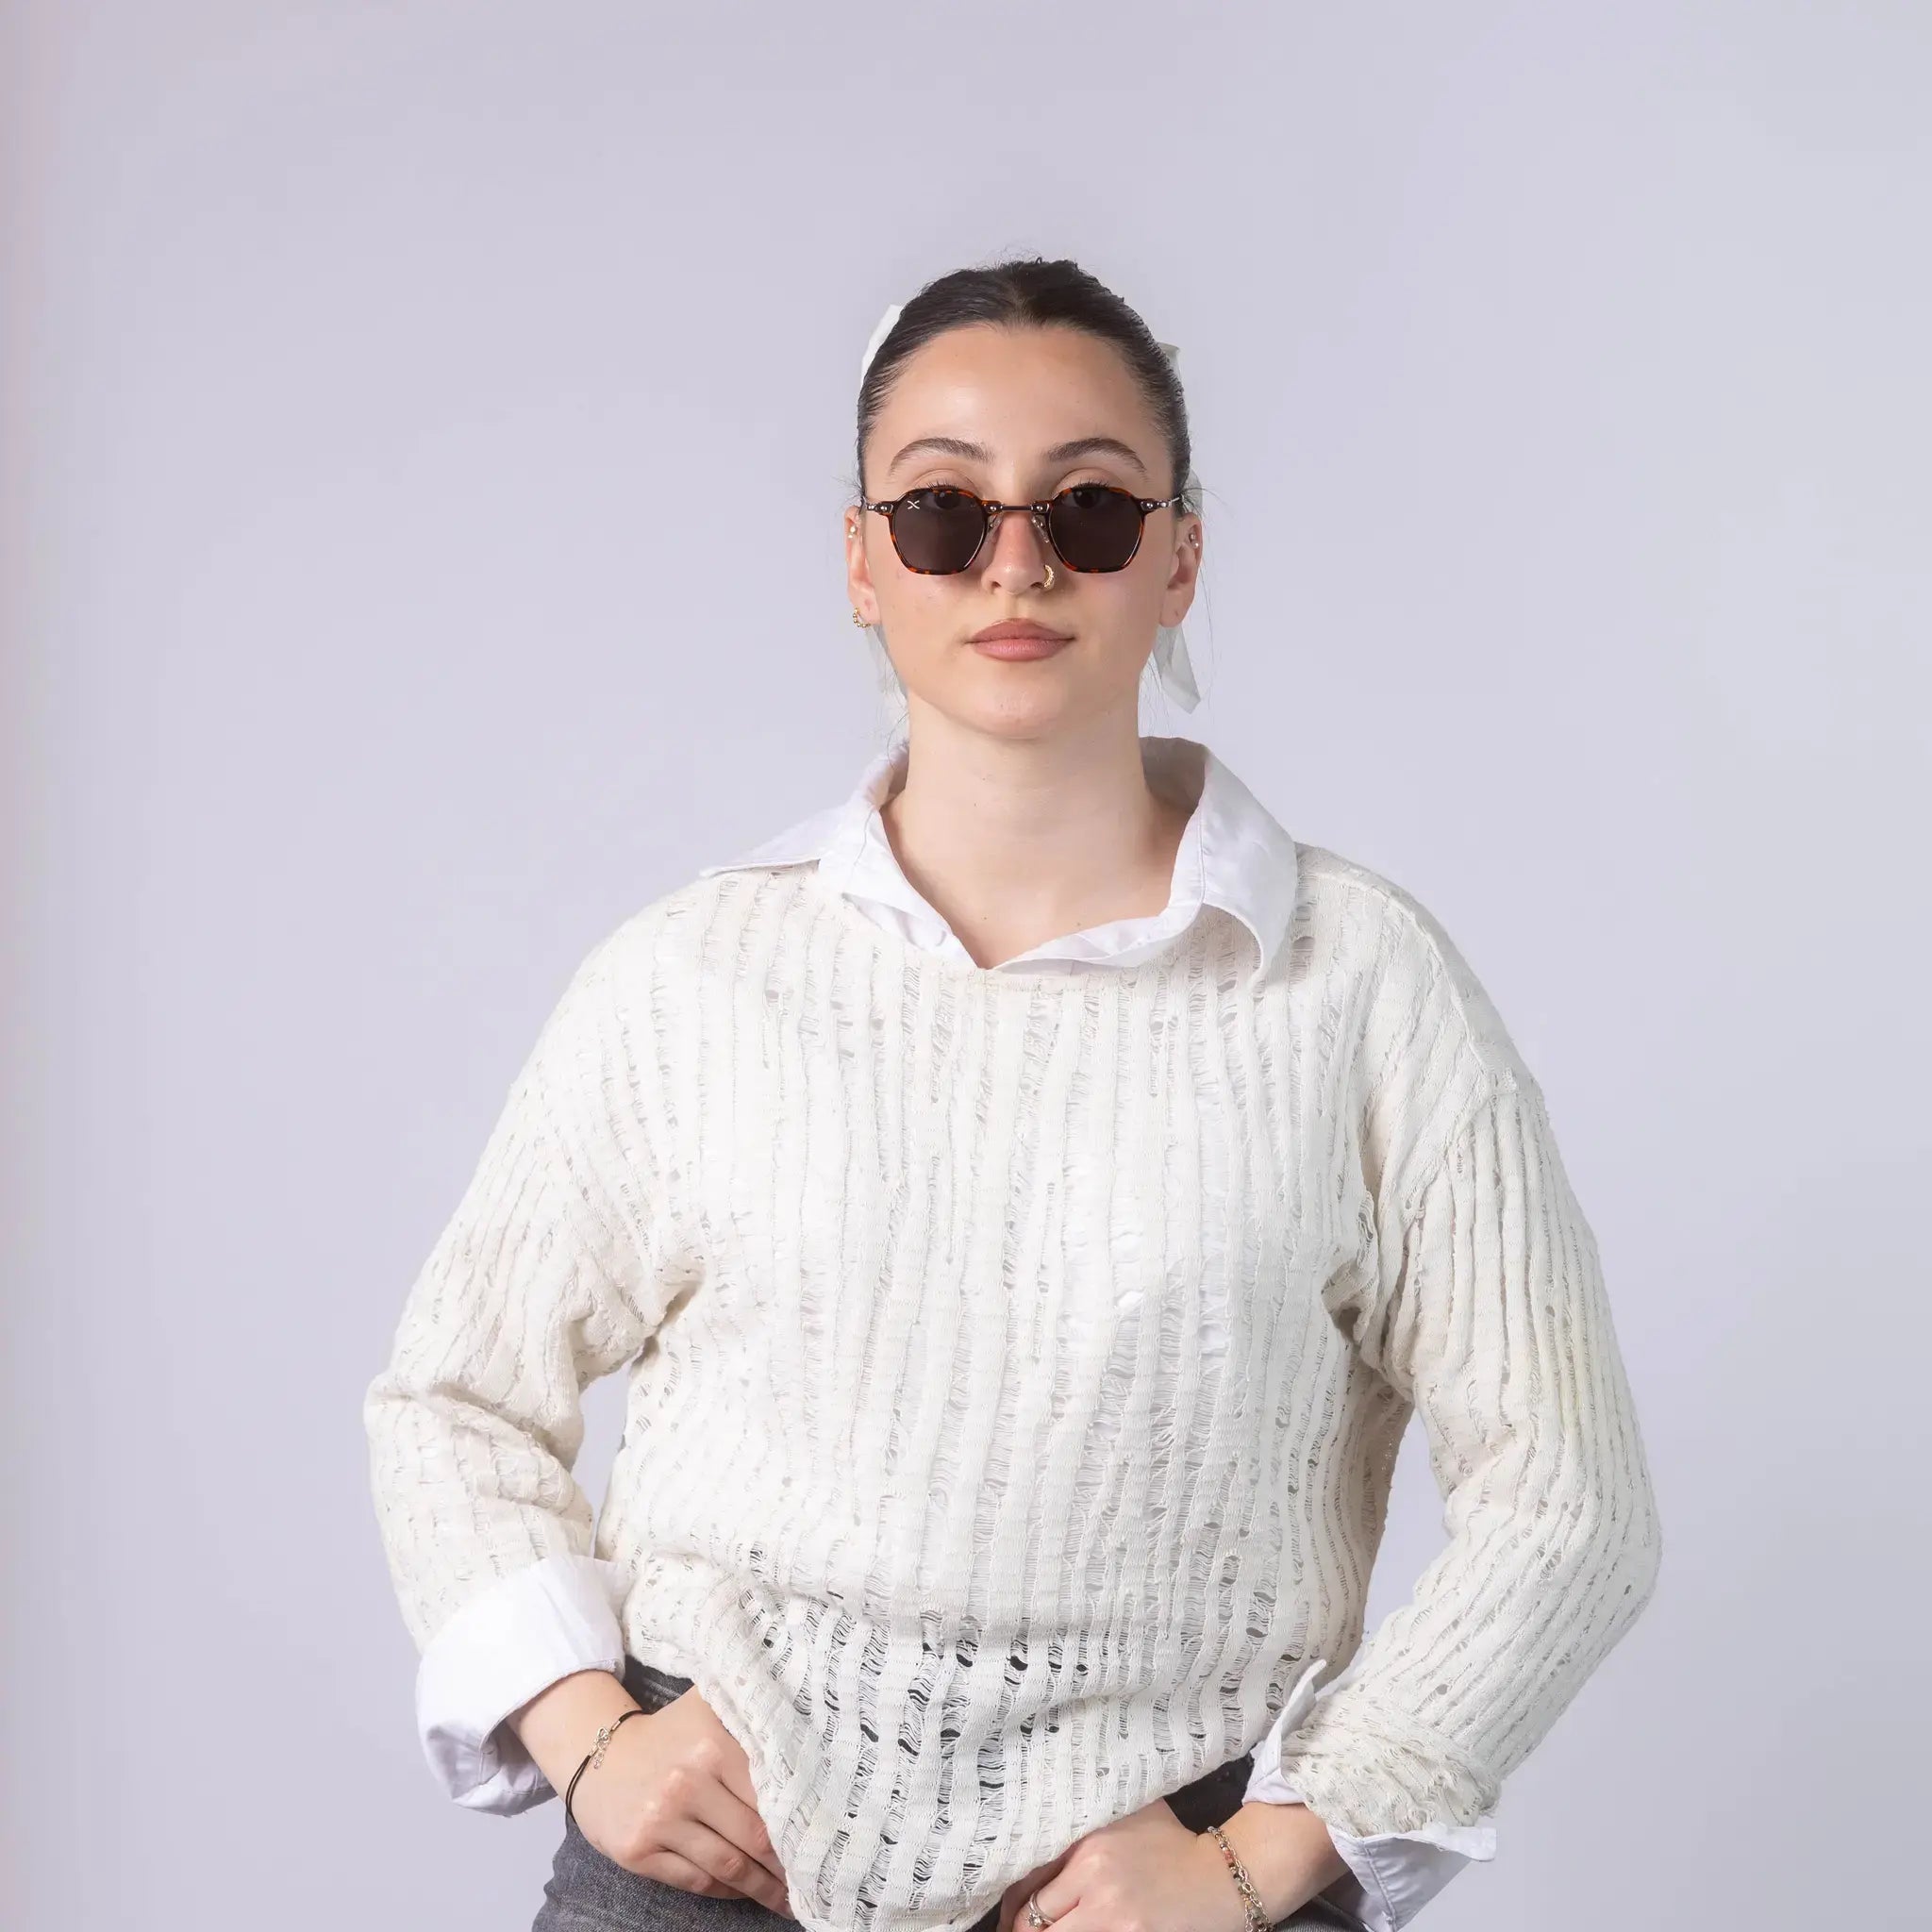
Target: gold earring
x,y
857,619
1049,576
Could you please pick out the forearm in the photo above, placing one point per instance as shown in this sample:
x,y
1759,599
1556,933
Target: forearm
x,y
561,1724
1288,1853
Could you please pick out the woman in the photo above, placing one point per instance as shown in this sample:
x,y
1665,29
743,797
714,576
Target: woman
x,y
1029,1200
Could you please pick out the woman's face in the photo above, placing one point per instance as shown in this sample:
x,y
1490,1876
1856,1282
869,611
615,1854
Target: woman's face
x,y
1014,415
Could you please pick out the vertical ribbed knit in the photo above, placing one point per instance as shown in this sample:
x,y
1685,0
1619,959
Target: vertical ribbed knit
x,y
1018,1366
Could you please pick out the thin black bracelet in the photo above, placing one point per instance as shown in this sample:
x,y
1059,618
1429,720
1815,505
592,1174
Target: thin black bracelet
x,y
637,1710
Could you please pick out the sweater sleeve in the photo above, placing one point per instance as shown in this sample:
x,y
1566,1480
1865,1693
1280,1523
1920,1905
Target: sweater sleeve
x,y
552,1271
1487,1311
1392,1876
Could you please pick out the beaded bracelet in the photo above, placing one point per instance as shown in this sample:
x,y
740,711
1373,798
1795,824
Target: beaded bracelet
x,y
1258,1919
595,1756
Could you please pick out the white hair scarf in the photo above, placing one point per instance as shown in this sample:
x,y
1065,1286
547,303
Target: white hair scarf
x,y
1171,659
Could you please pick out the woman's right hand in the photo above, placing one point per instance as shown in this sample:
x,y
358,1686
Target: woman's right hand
x,y
672,1800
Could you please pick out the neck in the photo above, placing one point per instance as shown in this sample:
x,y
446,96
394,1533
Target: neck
x,y
1015,841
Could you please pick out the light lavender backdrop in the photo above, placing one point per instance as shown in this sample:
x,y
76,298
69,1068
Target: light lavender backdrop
x,y
377,638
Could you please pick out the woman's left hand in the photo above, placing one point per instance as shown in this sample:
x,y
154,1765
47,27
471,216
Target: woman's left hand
x,y
1146,1870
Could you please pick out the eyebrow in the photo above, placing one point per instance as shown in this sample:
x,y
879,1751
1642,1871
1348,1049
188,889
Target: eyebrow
x,y
1060,453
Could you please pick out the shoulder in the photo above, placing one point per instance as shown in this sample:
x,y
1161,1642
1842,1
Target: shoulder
x,y
632,1014
673,942
1412,983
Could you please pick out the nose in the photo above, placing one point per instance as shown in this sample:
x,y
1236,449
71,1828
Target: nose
x,y
1017,552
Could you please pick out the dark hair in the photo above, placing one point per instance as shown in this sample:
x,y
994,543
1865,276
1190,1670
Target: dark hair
x,y
1032,291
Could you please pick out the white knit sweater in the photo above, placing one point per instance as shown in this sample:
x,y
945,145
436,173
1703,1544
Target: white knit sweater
x,y
929,1477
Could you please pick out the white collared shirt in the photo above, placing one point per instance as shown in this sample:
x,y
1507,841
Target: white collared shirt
x,y
1232,855
560,1614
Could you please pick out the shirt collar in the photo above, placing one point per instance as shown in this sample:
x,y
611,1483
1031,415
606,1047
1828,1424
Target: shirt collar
x,y
1233,854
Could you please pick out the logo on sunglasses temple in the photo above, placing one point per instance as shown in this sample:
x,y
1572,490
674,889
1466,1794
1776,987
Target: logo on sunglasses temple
x,y
1091,527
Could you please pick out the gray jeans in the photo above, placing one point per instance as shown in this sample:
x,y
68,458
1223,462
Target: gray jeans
x,y
587,1891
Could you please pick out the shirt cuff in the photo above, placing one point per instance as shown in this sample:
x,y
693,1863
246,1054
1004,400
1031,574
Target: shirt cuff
x,y
527,1630
1394,1874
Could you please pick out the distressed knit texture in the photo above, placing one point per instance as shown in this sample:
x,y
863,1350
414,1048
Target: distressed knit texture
x,y
1017,1364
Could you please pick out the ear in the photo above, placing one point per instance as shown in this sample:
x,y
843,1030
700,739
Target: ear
x,y
1177,595
859,583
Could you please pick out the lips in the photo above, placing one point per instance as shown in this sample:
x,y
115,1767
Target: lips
x,y
1018,632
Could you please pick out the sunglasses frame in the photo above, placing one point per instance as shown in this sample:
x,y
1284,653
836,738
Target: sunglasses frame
x,y
1040,512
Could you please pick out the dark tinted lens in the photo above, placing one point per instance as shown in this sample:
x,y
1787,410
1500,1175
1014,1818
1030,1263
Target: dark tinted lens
x,y
938,530
1095,526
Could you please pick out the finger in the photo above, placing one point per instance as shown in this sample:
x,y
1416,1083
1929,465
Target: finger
x,y
1013,1902
1057,1894
729,1864
720,1811
1013,1909
734,1772
717,1804
668,1869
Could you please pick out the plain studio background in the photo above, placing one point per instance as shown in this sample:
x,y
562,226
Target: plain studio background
x,y
382,384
